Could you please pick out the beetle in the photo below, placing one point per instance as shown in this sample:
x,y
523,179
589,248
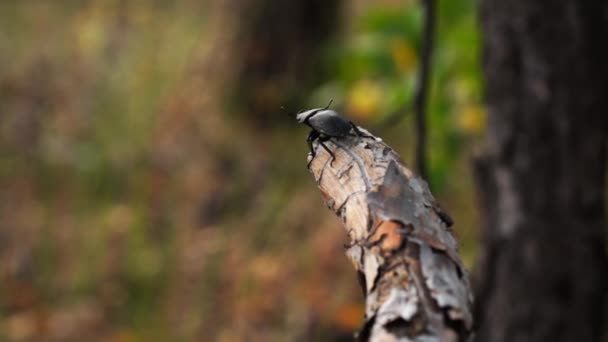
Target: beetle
x,y
326,124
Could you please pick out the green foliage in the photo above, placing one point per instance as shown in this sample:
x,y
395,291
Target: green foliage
x,y
376,73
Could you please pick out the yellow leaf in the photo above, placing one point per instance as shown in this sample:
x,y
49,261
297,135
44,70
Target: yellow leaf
x,y
472,119
404,56
364,99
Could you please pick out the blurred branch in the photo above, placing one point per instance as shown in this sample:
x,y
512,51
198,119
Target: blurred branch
x,y
419,104
420,101
401,245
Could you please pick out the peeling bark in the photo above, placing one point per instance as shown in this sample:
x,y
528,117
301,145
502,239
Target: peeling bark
x,y
401,245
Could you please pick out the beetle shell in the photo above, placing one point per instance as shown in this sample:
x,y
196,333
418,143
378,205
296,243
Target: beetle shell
x,y
329,123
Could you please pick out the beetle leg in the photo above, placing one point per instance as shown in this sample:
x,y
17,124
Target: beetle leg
x,y
358,132
312,136
333,156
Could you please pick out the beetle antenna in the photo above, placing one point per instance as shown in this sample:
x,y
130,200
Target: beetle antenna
x,y
286,113
329,104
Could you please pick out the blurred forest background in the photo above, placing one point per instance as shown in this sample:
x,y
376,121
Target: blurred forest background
x,y
153,182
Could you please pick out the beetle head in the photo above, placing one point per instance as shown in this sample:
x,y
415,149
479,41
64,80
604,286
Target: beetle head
x,y
301,117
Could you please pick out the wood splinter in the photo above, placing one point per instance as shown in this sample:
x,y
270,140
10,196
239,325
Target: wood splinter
x,y
401,243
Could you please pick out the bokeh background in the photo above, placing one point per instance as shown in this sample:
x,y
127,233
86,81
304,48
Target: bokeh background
x,y
153,182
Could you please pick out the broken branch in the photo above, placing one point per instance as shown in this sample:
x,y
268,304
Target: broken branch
x,y
401,244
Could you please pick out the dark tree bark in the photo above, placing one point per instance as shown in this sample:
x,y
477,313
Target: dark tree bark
x,y
543,177
279,44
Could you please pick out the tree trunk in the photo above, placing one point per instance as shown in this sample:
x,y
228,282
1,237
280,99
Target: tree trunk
x,y
542,180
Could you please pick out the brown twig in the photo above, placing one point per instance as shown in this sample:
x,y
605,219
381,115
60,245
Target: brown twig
x,y
419,103
422,87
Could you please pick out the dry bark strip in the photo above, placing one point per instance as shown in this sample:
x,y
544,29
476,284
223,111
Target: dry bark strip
x,y
401,244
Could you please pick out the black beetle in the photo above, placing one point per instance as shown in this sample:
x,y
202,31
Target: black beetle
x,y
326,124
